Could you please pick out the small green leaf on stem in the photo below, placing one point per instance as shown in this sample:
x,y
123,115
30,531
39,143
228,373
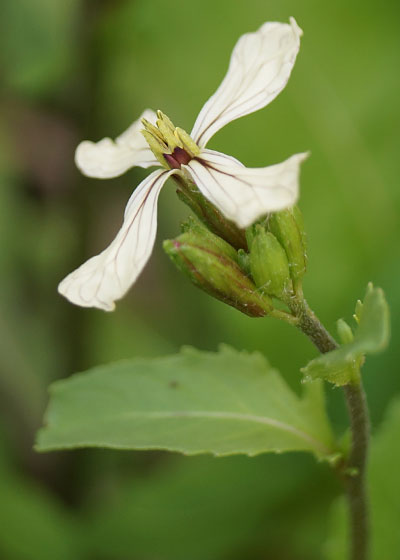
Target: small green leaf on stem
x,y
341,366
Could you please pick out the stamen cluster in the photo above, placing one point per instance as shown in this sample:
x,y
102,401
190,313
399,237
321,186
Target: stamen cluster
x,y
171,145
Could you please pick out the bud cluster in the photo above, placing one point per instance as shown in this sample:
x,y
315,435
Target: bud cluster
x,y
212,265
278,254
249,270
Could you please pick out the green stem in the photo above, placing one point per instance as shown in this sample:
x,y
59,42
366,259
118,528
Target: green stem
x,y
356,480
353,472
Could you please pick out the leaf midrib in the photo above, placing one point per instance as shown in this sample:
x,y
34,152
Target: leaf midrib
x,y
318,445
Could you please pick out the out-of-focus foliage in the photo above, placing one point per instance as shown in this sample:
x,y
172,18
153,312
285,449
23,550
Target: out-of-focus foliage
x,y
33,522
38,44
215,509
86,69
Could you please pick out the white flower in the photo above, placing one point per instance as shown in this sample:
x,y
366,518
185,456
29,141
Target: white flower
x,y
259,69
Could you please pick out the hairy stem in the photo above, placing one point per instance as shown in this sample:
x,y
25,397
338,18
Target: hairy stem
x,y
353,471
356,478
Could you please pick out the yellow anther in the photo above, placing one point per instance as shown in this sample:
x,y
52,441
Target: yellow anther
x,y
152,129
167,130
164,138
188,144
157,147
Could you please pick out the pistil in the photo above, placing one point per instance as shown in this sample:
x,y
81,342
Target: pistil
x,y
177,158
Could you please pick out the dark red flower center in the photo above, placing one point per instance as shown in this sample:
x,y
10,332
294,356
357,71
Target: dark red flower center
x,y
177,158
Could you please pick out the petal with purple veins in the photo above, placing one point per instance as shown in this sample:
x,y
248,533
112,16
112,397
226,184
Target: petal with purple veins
x,y
105,278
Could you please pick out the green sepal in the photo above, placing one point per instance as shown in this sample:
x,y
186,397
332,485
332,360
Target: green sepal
x,y
288,228
298,217
251,231
244,261
214,243
190,195
372,334
269,264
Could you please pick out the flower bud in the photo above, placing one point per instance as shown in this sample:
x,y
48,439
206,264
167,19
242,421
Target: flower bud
x,y
288,229
213,242
244,261
269,264
209,263
209,214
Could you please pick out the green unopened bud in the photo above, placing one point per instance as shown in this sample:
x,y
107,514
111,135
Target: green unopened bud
x,y
213,242
210,215
252,230
244,261
298,216
287,228
209,265
269,265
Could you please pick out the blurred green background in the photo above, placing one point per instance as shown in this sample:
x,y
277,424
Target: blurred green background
x,y
76,69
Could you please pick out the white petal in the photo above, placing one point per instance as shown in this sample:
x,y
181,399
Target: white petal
x,y
245,194
259,69
108,158
103,279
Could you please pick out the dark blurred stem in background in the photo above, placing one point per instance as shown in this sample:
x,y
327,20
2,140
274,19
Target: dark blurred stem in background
x,y
79,104
75,107
353,470
50,186
82,109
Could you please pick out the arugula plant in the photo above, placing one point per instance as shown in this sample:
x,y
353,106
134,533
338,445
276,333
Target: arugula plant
x,y
246,246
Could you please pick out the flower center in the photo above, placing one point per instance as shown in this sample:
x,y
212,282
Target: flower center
x,y
177,158
172,146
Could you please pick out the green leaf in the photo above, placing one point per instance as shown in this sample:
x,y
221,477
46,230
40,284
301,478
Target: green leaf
x,y
194,402
384,485
371,336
